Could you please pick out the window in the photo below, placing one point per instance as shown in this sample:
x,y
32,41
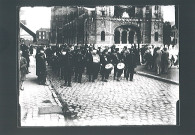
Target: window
x,y
117,37
43,37
131,37
147,7
156,7
39,33
103,13
102,36
124,37
43,33
39,37
156,36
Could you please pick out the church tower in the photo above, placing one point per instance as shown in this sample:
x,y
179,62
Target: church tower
x,y
157,25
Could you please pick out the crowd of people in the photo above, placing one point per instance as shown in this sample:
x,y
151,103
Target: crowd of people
x,y
72,61
159,59
24,63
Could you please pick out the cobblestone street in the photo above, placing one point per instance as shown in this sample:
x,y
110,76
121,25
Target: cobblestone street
x,y
145,101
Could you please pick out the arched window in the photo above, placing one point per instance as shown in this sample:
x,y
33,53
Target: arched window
x,y
102,36
124,37
156,36
117,37
131,37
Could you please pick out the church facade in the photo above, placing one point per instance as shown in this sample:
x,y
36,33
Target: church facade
x,y
107,25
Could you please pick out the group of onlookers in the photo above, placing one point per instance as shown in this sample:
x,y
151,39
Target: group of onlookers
x,y
158,59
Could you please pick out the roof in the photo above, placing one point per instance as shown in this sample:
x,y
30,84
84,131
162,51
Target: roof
x,y
44,29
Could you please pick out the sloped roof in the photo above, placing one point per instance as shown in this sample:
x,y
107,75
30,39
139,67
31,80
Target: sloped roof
x,y
44,29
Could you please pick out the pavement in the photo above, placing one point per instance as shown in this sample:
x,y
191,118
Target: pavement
x,y
38,106
145,101
172,75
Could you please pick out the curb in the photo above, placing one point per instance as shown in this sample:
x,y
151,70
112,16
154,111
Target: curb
x,y
157,78
54,94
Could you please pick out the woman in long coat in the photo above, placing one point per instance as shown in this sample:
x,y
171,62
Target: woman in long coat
x,y
23,70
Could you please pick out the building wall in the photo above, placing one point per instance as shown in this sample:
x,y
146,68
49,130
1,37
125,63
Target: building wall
x,y
82,26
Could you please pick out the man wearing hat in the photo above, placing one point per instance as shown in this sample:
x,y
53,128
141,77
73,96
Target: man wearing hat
x,y
106,65
41,67
130,63
79,65
66,64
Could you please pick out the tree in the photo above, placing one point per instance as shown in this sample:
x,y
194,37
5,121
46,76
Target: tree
x,y
167,33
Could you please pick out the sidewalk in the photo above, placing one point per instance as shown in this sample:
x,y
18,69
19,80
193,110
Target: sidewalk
x,y
171,77
37,106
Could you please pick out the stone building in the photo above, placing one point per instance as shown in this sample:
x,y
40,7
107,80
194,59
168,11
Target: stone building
x,y
43,36
107,25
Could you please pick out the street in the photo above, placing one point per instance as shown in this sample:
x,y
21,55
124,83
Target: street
x,y
144,101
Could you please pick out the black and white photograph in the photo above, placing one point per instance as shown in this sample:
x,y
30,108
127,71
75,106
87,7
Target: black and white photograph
x,y
102,65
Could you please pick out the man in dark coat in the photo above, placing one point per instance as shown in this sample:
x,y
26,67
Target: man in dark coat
x,y
66,64
79,66
89,63
104,60
130,63
31,49
48,53
165,60
124,53
93,62
41,66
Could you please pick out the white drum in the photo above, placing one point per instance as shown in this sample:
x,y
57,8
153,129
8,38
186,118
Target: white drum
x,y
120,66
109,66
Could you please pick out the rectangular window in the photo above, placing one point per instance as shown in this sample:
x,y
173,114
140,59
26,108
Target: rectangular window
x,y
156,7
43,33
43,37
39,36
103,13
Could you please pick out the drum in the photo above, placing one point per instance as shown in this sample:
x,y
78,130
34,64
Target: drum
x,y
109,66
120,66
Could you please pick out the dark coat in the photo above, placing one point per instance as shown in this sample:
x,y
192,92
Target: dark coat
x,y
41,65
130,60
66,62
165,57
79,62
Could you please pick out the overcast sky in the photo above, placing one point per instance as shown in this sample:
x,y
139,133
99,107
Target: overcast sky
x,y
39,17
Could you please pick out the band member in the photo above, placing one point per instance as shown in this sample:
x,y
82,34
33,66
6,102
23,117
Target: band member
x,y
79,66
120,66
95,65
66,64
41,66
115,59
106,66
130,63
124,53
55,63
89,63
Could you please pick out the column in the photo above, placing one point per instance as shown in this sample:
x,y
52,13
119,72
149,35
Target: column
x,y
127,37
120,37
